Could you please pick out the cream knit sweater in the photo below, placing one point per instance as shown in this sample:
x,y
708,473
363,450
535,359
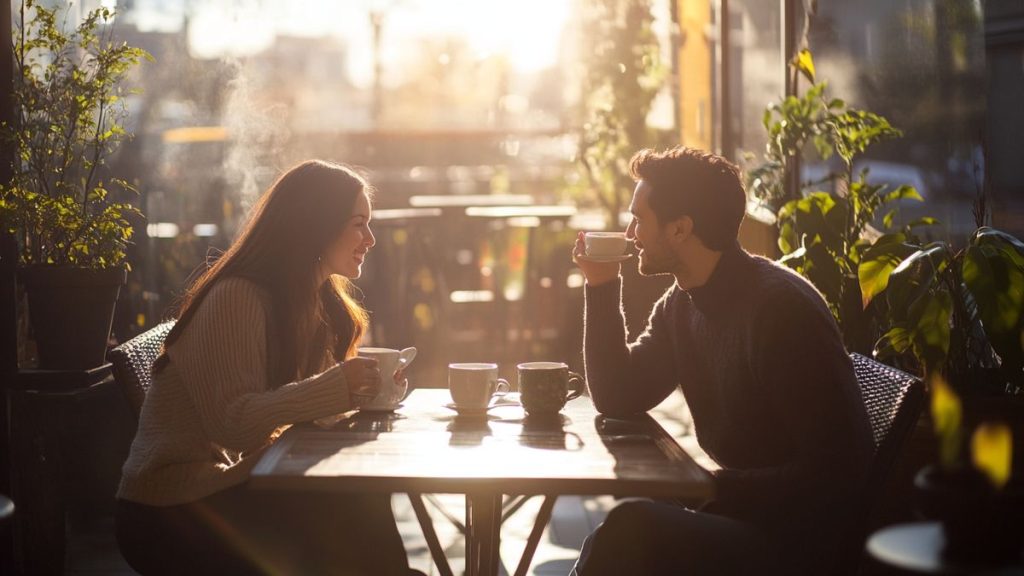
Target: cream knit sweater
x,y
209,414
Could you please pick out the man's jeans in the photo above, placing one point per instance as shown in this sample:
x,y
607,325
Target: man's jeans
x,y
650,538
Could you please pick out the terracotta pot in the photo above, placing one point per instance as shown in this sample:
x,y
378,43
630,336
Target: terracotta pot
x,y
71,310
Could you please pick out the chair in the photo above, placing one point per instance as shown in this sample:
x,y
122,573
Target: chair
x,y
894,400
132,363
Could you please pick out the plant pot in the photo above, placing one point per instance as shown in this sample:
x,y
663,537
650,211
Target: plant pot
x,y
980,524
70,312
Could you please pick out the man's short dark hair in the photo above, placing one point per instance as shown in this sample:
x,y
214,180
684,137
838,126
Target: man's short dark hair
x,y
695,183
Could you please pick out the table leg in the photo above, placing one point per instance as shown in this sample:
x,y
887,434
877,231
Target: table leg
x,y
510,505
483,533
543,516
427,525
444,512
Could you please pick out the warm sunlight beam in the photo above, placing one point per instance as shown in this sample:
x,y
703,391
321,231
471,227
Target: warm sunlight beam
x,y
526,32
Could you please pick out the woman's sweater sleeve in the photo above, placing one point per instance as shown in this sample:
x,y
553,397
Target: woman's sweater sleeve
x,y
222,358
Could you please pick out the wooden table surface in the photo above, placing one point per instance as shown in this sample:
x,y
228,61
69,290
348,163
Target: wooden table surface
x,y
425,447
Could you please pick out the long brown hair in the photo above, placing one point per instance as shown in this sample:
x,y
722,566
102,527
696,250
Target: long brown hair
x,y
309,326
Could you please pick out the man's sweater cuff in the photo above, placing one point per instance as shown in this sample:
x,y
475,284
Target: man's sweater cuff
x,y
609,291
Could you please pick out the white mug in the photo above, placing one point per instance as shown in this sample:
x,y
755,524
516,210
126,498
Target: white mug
x,y
473,385
605,244
389,361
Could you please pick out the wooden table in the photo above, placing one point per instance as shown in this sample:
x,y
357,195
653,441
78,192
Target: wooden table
x,y
426,448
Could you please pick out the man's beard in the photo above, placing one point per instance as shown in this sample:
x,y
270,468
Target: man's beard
x,y
665,262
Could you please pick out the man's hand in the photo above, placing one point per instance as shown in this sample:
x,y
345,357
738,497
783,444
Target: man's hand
x,y
596,273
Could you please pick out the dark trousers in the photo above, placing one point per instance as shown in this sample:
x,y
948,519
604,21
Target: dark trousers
x,y
242,531
655,538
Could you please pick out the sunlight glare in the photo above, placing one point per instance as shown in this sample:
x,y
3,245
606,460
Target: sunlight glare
x,y
223,30
527,33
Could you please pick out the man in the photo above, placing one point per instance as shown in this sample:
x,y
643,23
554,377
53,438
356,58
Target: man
x,y
762,366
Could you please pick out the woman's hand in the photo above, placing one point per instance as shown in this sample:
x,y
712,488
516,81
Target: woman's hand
x,y
363,378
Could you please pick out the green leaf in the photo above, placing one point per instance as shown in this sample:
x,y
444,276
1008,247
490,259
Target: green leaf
x,y
947,416
905,192
933,312
789,242
68,95
825,271
878,262
992,451
929,260
913,279
997,284
888,218
896,341
1006,243
923,221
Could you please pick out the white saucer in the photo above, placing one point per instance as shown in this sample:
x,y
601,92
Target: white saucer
x,y
380,409
611,260
467,411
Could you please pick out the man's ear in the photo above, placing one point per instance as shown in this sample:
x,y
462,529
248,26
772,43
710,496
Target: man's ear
x,y
681,229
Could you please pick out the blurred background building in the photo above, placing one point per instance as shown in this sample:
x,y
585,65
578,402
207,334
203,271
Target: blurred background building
x,y
468,116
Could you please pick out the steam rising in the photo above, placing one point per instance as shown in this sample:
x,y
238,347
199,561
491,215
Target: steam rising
x,y
258,132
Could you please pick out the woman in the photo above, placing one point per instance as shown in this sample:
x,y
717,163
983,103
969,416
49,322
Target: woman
x,y
265,338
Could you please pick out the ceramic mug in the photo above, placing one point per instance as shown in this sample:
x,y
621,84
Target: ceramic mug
x,y
392,389
544,387
474,385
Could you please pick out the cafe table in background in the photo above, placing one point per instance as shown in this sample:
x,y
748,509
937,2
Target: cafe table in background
x,y
425,448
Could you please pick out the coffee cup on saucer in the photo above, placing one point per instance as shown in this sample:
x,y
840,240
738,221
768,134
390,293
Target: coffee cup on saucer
x,y
474,385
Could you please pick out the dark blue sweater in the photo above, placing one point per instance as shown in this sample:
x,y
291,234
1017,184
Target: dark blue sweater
x,y
769,384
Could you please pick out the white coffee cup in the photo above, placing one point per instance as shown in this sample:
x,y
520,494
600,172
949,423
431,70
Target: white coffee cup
x,y
605,244
474,385
390,361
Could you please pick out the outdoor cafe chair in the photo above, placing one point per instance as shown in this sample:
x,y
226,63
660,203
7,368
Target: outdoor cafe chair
x,y
894,400
132,363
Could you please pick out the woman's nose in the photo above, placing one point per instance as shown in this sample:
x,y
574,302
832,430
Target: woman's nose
x,y
371,239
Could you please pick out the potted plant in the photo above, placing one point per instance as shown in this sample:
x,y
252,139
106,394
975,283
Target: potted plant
x,y
958,313
826,226
954,315
72,233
